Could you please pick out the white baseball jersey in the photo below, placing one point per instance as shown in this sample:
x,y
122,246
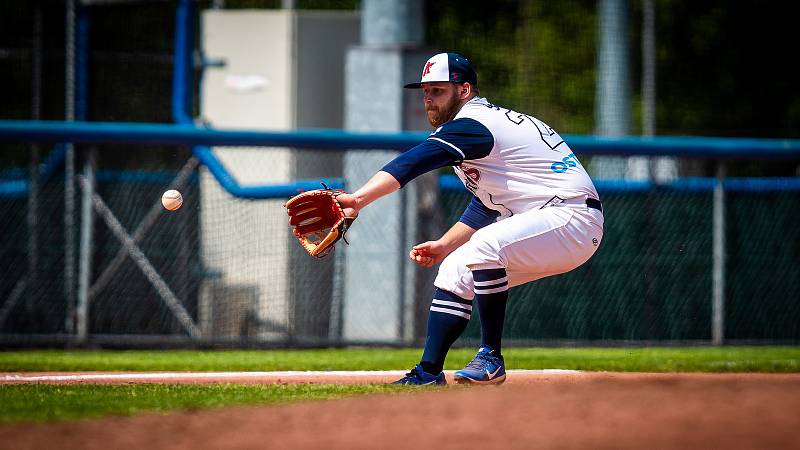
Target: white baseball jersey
x,y
528,166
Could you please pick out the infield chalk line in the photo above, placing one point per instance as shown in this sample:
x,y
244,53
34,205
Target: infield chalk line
x,y
139,376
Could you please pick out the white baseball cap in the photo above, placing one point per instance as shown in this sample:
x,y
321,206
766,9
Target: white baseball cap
x,y
446,67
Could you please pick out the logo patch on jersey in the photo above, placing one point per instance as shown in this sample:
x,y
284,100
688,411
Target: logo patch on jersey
x,y
473,173
471,178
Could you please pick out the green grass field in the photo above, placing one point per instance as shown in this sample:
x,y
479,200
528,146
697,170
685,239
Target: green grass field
x,y
44,403
53,403
650,359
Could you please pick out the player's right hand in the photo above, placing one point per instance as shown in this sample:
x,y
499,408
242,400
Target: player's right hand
x,y
428,253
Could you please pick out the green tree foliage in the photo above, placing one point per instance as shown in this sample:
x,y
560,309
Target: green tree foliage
x,y
536,57
722,67
725,68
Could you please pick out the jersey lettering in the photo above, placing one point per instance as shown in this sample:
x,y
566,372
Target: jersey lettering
x,y
518,120
548,135
565,163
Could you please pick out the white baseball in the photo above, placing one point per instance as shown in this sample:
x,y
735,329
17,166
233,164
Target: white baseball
x,y
171,200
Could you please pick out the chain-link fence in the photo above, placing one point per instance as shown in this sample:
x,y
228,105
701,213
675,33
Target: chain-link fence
x,y
233,269
229,264
651,278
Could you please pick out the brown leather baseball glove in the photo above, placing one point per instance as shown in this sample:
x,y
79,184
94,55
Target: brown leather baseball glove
x,y
318,220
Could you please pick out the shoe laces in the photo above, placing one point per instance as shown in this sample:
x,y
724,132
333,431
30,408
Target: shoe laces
x,y
481,360
414,373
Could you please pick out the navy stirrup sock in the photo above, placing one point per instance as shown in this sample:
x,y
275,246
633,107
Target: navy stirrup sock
x,y
447,319
491,296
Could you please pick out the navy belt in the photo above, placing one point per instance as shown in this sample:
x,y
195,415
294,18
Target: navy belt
x,y
594,203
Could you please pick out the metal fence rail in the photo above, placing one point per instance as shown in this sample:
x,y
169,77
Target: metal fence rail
x,y
140,133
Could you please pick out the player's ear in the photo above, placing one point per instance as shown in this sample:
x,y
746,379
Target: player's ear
x,y
465,90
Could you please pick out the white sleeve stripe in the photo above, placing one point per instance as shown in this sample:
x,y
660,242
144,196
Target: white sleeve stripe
x,y
450,145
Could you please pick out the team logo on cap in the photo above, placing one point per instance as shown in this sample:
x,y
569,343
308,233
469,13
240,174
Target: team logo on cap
x,y
427,68
443,68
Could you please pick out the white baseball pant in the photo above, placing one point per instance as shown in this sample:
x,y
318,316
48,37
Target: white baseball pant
x,y
530,245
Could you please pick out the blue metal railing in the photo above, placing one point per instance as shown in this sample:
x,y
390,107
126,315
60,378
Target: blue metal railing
x,y
152,133
201,138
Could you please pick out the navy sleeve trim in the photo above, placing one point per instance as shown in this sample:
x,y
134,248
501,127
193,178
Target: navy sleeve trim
x,y
466,137
477,215
423,158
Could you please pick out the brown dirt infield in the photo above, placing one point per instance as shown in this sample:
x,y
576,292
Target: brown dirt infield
x,y
563,411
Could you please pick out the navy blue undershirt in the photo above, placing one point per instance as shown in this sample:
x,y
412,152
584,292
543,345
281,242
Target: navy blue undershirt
x,y
423,158
477,215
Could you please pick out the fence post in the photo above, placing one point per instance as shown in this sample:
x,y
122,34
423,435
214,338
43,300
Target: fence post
x,y
33,192
718,273
69,170
85,251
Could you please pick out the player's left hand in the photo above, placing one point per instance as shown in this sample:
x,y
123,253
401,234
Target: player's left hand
x,y
349,204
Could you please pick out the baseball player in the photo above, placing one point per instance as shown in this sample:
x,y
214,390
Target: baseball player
x,y
534,213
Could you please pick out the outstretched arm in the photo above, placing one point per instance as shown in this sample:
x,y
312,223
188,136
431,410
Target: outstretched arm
x,y
447,146
381,184
423,158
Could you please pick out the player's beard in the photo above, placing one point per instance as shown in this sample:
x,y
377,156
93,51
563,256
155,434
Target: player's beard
x,y
445,113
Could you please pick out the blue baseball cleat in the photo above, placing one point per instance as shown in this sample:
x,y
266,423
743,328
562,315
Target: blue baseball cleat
x,y
485,368
419,377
